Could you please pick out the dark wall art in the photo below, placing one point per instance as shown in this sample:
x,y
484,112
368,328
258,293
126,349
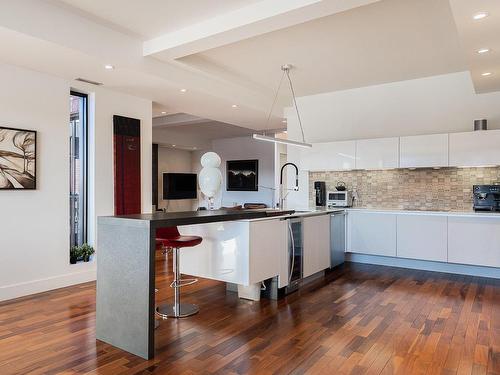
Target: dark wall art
x,y
17,159
242,175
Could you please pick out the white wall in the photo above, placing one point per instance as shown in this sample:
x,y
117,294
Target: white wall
x,y
174,161
438,104
34,225
247,148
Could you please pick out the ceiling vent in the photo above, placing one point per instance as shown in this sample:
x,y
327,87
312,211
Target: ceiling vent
x,y
89,81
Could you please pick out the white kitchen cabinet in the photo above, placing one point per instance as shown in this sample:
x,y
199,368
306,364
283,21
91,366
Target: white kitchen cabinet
x,y
243,252
380,153
473,149
371,233
474,240
422,237
329,156
423,151
316,256
268,253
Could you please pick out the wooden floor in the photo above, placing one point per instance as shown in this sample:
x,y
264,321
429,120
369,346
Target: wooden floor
x,y
362,319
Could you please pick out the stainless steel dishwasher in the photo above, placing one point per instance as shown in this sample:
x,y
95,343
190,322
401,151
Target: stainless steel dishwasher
x,y
337,238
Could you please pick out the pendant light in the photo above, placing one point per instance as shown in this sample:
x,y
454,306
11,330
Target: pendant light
x,y
263,137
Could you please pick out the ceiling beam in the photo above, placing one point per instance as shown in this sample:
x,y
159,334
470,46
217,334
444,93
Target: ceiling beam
x,y
255,19
176,119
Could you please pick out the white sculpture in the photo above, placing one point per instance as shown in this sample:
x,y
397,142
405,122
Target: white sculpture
x,y
210,178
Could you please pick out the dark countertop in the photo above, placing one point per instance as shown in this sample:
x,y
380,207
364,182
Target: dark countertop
x,y
166,219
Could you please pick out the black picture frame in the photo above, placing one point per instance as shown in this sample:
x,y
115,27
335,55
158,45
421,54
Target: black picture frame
x,y
242,175
30,144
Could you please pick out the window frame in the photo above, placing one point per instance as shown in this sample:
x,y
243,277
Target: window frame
x,y
85,167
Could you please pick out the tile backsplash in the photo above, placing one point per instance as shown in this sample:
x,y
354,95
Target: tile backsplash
x,y
420,189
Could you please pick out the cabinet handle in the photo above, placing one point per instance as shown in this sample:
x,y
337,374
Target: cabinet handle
x,y
293,251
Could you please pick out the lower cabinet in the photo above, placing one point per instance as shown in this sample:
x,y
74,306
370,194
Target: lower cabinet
x,y
470,240
474,240
316,255
371,233
268,249
422,237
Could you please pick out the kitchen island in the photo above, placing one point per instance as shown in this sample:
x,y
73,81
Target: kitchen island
x,y
125,311
249,251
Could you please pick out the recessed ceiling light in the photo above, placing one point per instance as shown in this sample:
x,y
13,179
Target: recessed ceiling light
x,y
183,90
283,121
480,15
109,67
483,50
485,74
163,112
173,145
234,106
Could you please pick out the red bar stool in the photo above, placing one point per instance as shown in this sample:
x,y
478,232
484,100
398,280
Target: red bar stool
x,y
171,238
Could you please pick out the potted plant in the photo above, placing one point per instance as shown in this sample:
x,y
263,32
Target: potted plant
x,y
74,254
86,252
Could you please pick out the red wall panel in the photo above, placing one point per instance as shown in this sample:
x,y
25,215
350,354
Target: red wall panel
x,y
127,165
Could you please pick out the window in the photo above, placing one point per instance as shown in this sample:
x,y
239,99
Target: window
x,y
78,169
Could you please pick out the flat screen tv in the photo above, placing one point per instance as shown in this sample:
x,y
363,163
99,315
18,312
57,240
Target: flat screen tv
x,y
179,186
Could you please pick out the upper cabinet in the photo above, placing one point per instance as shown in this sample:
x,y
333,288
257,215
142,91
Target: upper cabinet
x,y
474,149
423,151
469,149
380,153
329,156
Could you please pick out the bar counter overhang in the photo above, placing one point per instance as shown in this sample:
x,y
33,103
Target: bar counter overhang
x,y
125,306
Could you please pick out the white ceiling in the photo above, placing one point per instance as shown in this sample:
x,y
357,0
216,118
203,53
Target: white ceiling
x,y
477,34
150,18
194,135
229,52
387,41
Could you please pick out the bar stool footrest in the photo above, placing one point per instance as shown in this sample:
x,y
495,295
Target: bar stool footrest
x,y
167,310
183,282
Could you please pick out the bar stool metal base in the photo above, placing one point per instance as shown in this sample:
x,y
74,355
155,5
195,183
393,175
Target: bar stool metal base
x,y
167,310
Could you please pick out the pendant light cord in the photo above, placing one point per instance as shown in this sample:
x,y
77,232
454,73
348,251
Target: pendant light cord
x,y
287,71
274,103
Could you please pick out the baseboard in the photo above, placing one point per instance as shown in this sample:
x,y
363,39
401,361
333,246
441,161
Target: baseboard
x,y
460,269
42,285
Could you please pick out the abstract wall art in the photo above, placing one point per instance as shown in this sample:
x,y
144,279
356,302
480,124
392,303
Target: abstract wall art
x,y
17,159
242,175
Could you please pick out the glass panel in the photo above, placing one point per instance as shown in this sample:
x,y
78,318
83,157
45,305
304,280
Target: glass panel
x,y
296,253
336,196
78,169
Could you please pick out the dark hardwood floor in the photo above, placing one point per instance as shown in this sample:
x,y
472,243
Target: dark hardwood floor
x,y
362,319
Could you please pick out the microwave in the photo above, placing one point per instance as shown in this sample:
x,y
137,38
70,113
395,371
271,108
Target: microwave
x,y
339,199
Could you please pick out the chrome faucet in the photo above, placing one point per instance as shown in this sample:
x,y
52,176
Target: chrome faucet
x,y
296,188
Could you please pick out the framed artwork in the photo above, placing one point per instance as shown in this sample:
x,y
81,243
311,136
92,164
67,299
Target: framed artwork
x,y
242,175
17,159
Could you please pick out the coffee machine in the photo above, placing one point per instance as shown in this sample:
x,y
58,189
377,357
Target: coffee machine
x,y
486,197
320,188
